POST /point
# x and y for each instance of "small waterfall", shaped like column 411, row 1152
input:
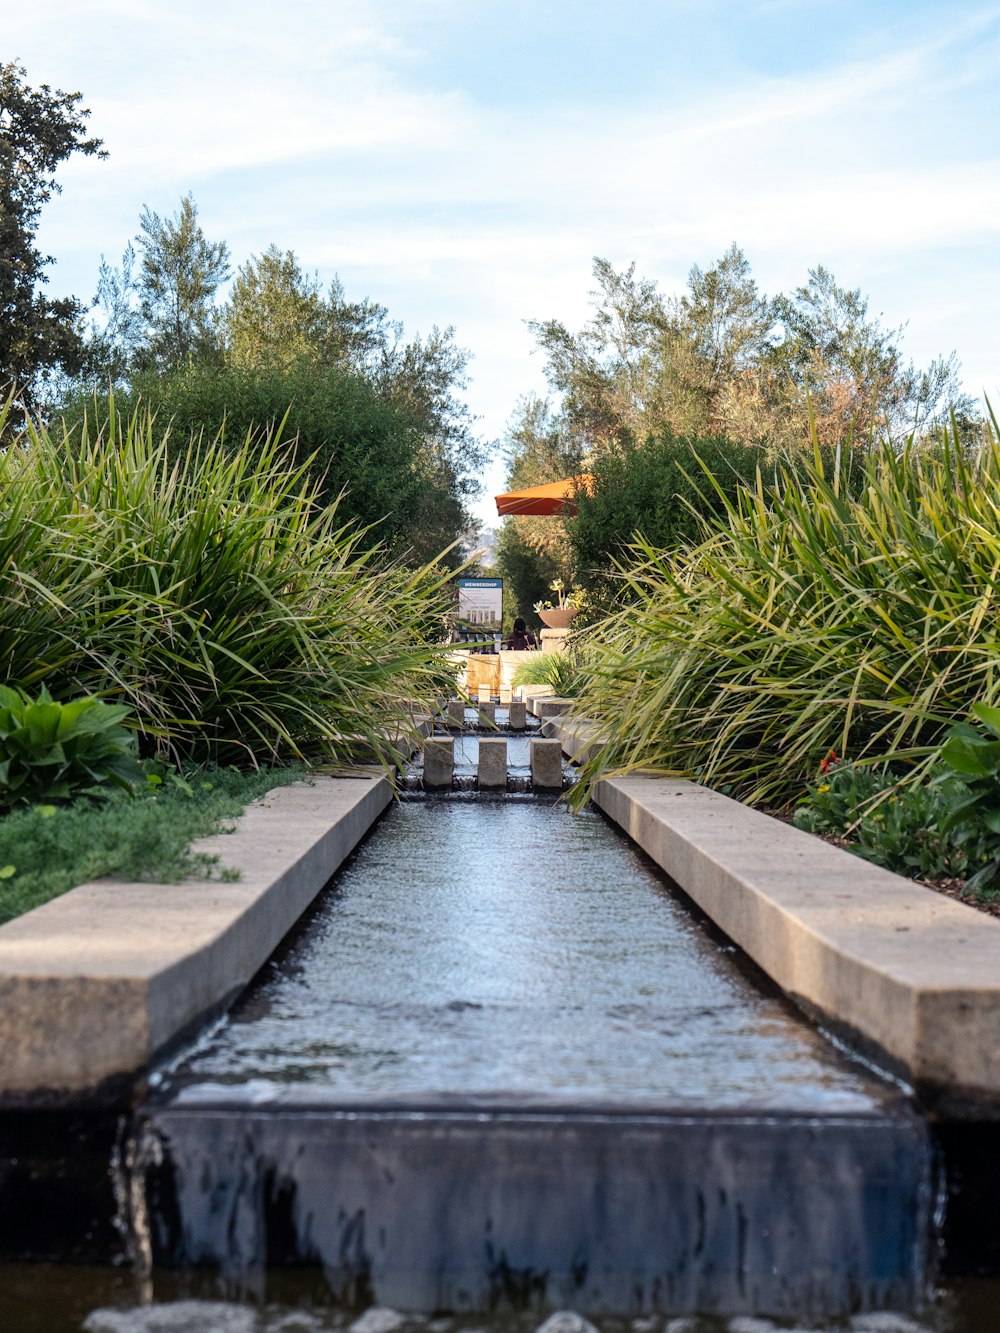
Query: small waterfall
column 464, row 745
column 136, row 1153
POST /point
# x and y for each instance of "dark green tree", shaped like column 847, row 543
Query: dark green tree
column 39, row 129
column 382, row 418
column 661, row 490
column 359, row 444
column 179, row 272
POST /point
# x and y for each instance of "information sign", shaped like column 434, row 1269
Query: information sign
column 480, row 603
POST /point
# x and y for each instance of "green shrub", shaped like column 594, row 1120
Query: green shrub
column 563, row 671
column 972, row 797
column 948, row 825
column 895, row 825
column 213, row 593
column 841, row 795
column 331, row 419
column 51, row 751
column 823, row 615
column 656, row 489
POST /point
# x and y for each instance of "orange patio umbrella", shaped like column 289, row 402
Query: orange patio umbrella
column 556, row 497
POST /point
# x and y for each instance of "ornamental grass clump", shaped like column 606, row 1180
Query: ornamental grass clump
column 565, row 671
column 861, row 618
column 212, row 592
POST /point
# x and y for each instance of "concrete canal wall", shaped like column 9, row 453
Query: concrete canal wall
column 96, row 983
column 907, row 973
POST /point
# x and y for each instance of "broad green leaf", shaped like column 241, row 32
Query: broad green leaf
column 975, row 758
column 990, row 717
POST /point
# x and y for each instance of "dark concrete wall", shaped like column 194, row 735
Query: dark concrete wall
column 600, row 1213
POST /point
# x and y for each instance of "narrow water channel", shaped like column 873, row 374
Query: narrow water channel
column 506, row 949
column 503, row 1065
column 488, row 960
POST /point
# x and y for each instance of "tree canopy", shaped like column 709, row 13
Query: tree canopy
column 380, row 415
column 179, row 273
column 39, row 129
column 722, row 358
column 720, row 370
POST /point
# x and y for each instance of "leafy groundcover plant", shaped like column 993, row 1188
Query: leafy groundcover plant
column 884, row 820
column 860, row 617
column 944, row 827
column 212, row 591
column 46, row 849
column 51, row 751
column 972, row 821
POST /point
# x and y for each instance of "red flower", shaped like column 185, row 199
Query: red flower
column 831, row 759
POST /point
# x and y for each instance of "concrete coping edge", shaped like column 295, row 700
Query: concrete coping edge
column 95, row 983
column 908, row 975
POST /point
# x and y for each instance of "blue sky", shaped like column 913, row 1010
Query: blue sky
column 463, row 161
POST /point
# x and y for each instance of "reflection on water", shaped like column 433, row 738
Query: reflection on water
column 518, row 753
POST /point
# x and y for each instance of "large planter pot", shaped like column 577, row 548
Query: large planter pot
column 557, row 617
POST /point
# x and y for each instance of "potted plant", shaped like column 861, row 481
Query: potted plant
column 559, row 614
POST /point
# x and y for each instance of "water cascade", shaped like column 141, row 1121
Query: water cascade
column 502, row 1078
column 502, row 1066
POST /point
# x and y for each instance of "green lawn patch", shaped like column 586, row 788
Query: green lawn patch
column 46, row 849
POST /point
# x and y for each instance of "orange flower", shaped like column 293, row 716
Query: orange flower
column 831, row 759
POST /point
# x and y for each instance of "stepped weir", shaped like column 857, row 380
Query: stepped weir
column 503, row 1066
column 503, row 1077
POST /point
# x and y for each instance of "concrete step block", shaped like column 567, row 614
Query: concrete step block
column 439, row 762
column 518, row 718
column 546, row 765
column 493, row 762
column 456, row 712
column 535, row 691
column 487, row 714
column 546, row 708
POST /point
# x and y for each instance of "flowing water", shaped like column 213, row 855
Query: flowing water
column 480, row 952
column 505, row 948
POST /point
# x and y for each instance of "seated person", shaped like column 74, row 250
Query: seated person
column 520, row 638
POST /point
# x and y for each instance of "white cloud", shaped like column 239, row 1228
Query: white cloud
column 319, row 126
